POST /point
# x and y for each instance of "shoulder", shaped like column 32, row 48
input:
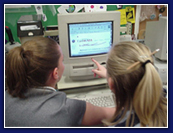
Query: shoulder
column 53, row 106
column 55, row 97
column 45, row 98
column 122, row 123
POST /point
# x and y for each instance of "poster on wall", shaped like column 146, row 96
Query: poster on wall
column 130, row 14
column 123, row 16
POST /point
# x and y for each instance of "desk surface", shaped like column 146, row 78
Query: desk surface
column 67, row 83
column 87, row 91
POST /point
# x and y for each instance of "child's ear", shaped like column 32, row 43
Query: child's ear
column 111, row 84
column 55, row 73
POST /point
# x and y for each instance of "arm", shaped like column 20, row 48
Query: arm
column 94, row 114
column 100, row 71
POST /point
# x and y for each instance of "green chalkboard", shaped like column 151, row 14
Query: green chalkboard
column 12, row 15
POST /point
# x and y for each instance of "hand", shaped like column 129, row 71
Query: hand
column 100, row 71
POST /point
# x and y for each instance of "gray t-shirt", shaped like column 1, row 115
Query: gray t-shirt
column 43, row 107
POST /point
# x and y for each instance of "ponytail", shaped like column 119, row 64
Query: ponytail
column 29, row 65
column 16, row 72
column 138, row 88
column 147, row 99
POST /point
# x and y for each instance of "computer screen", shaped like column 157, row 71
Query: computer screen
column 86, row 39
column 83, row 36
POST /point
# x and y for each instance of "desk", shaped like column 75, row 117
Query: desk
column 83, row 88
column 82, row 92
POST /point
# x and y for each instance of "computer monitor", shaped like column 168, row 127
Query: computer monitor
column 83, row 36
column 156, row 37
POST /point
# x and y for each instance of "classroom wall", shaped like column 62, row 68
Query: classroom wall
column 12, row 15
column 148, row 12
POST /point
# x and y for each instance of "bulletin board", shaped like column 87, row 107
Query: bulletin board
column 150, row 13
column 12, row 16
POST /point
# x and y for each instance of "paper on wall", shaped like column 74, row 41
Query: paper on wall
column 39, row 10
column 95, row 8
column 130, row 14
column 69, row 8
column 123, row 16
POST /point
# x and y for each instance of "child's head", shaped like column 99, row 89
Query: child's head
column 30, row 64
column 138, row 88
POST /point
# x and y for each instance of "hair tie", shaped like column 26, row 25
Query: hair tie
column 138, row 62
column 148, row 61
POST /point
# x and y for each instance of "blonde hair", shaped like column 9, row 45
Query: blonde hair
column 138, row 89
column 29, row 65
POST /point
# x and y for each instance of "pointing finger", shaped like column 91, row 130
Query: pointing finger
column 95, row 62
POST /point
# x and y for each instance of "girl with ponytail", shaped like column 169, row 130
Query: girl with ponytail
column 26, row 66
column 137, row 86
column 32, row 98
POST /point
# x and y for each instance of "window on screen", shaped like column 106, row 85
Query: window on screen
column 87, row 39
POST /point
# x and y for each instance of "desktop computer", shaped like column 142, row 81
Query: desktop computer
column 83, row 36
column 156, row 38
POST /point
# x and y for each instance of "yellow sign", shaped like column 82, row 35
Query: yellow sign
column 123, row 17
column 130, row 14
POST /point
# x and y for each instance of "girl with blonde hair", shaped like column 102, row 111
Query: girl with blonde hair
column 136, row 84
